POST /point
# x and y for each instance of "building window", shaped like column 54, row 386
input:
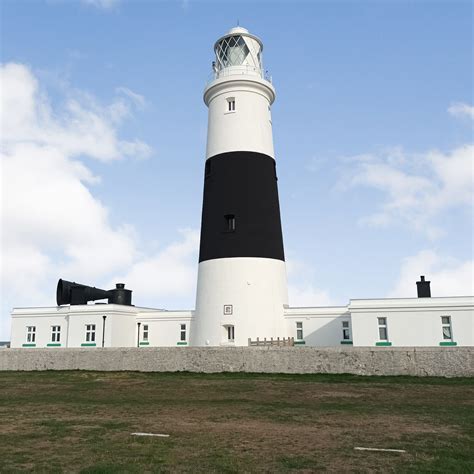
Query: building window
column 55, row 333
column 31, row 334
column 446, row 326
column 182, row 332
column 231, row 104
column 346, row 332
column 228, row 309
column 230, row 222
column 383, row 334
column 207, row 168
column 299, row 331
column 230, row 333
column 145, row 333
column 90, row 332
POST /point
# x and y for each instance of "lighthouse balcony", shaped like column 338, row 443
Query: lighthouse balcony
column 241, row 70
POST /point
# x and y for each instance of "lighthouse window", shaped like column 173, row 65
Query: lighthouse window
column 230, row 222
column 231, row 104
column 145, row 333
column 182, row 336
column 232, row 51
column 208, row 168
column 230, row 333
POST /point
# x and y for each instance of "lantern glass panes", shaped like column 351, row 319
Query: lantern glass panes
column 231, row 51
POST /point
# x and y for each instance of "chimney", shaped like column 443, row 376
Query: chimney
column 423, row 288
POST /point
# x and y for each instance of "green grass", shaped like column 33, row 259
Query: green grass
column 76, row 421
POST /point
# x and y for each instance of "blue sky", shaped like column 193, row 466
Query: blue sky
column 373, row 131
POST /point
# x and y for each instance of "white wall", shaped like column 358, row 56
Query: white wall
column 164, row 328
column 413, row 321
column 120, row 325
column 256, row 289
column 322, row 327
column 249, row 127
column 42, row 320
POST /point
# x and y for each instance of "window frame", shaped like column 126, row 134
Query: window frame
column 182, row 332
column 230, row 329
column 55, row 333
column 31, row 334
column 382, row 326
column 145, row 332
column 230, row 223
column 299, row 331
column 90, row 333
column 230, row 105
column 447, row 325
column 346, row 330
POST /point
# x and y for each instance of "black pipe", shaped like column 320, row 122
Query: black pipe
column 103, row 329
column 138, row 338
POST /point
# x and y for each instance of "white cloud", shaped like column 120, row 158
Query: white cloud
column 417, row 188
column 102, row 4
column 52, row 224
column 138, row 99
column 461, row 110
column 302, row 290
column 448, row 276
column 168, row 274
column 81, row 127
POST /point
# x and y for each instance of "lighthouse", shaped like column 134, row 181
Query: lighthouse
column 242, row 288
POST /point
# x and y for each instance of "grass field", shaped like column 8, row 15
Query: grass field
column 82, row 422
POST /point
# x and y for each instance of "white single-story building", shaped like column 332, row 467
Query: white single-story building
column 445, row 321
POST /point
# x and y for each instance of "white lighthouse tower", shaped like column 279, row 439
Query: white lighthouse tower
column 242, row 287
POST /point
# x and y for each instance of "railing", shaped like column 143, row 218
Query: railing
column 237, row 71
column 288, row 341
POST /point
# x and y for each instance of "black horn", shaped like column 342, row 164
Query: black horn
column 70, row 292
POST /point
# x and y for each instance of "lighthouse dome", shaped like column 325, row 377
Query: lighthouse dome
column 238, row 52
column 236, row 30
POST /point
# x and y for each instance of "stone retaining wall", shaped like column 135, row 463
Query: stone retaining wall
column 422, row 361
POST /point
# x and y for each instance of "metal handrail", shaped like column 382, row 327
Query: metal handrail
column 237, row 71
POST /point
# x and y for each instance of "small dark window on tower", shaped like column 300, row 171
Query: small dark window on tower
column 230, row 222
column 208, row 169
column 275, row 170
column 231, row 104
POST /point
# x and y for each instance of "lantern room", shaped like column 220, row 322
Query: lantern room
column 238, row 52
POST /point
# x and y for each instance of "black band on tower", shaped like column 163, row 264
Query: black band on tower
column 241, row 212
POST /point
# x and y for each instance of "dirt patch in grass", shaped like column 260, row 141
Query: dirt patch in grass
column 82, row 422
